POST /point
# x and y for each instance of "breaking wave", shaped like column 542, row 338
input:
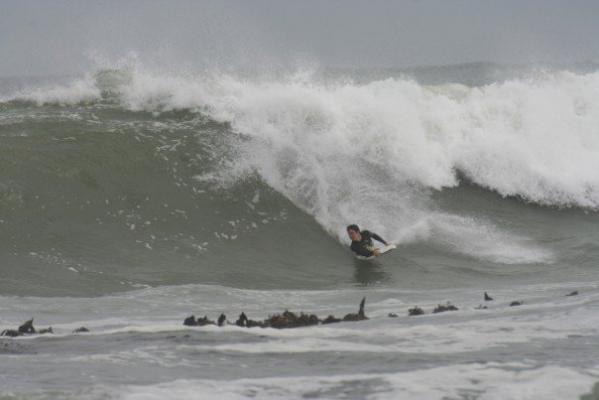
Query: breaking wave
column 374, row 153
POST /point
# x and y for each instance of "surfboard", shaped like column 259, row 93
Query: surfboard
column 382, row 250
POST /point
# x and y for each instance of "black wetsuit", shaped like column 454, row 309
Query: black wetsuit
column 364, row 246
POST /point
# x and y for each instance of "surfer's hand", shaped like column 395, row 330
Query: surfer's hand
column 376, row 252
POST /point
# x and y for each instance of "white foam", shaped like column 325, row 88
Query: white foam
column 491, row 381
column 81, row 90
column 544, row 316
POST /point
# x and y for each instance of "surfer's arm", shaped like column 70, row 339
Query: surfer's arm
column 380, row 239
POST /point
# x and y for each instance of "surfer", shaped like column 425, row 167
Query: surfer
column 361, row 241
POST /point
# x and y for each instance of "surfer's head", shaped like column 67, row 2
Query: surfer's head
column 353, row 231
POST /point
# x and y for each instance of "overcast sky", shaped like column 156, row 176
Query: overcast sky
column 63, row 37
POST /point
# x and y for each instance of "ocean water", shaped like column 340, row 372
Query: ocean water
column 131, row 199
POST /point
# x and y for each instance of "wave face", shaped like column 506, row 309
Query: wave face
column 125, row 177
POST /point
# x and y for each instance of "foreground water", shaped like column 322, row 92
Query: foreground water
column 130, row 200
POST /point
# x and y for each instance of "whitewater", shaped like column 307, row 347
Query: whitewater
column 131, row 199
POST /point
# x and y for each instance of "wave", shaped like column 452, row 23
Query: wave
column 533, row 138
column 373, row 153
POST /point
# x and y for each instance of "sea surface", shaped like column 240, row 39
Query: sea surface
column 131, row 199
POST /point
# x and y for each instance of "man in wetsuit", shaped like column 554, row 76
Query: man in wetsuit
column 361, row 241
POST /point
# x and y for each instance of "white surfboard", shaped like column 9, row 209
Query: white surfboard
column 382, row 250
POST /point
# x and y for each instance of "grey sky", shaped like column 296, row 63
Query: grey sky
column 63, row 37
